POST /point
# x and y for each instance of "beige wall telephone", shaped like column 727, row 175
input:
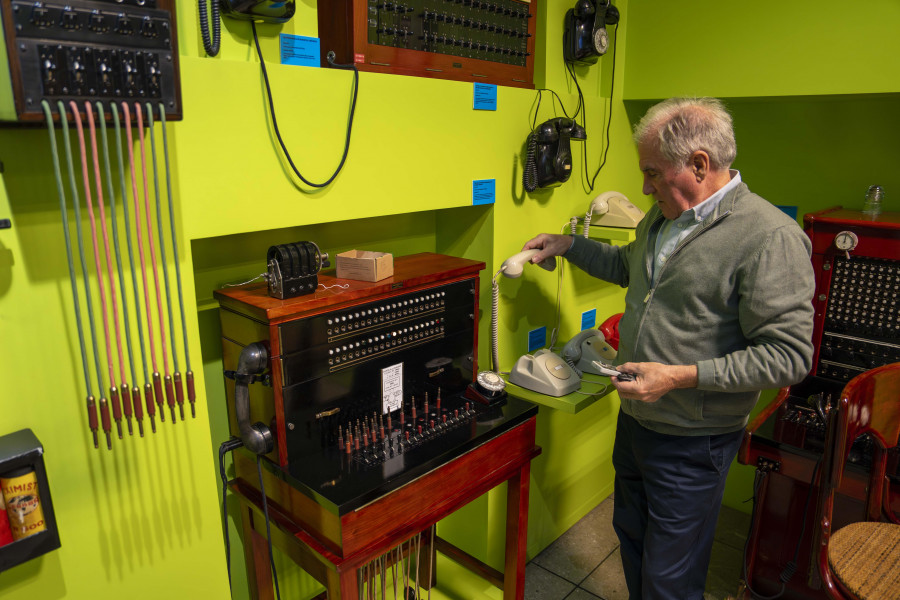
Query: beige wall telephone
column 612, row 209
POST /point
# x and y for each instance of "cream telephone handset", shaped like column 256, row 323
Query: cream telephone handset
column 586, row 347
column 543, row 372
column 512, row 266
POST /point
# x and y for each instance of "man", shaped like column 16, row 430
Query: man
column 718, row 308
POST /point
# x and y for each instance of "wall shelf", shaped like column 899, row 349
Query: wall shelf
column 612, row 234
column 590, row 392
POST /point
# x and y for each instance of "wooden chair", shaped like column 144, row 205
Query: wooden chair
column 861, row 561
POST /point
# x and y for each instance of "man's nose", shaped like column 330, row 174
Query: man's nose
column 648, row 187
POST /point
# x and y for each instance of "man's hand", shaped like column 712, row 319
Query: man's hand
column 654, row 380
column 549, row 245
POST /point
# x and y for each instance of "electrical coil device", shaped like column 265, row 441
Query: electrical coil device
column 292, row 269
column 490, row 42
column 107, row 50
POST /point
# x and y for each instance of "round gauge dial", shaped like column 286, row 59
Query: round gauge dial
column 846, row 241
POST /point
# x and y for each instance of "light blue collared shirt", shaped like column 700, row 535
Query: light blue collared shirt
column 672, row 232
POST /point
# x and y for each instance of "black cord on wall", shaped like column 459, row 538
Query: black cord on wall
column 287, row 155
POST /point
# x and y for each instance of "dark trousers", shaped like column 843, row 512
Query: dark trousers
column 668, row 491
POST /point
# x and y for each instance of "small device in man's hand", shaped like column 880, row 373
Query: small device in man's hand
column 609, row 371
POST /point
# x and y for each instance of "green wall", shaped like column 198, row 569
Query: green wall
column 814, row 94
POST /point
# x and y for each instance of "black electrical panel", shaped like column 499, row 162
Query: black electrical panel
column 97, row 50
column 468, row 40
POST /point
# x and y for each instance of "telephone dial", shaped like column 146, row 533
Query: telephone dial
column 549, row 159
column 585, row 39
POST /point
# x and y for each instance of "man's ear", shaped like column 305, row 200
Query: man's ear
column 700, row 165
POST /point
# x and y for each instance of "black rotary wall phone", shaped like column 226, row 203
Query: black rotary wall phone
column 549, row 159
column 585, row 39
column 260, row 11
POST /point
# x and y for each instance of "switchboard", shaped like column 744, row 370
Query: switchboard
column 468, row 40
column 88, row 50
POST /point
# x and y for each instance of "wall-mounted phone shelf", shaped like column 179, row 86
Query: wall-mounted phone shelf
column 570, row 403
column 612, row 234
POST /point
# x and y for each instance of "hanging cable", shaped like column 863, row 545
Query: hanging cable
column 57, row 172
column 582, row 108
column 111, row 194
column 176, row 375
column 262, row 489
column 148, row 387
column 287, row 155
column 113, row 391
column 157, row 382
column 76, row 202
column 188, row 374
column 167, row 378
column 209, row 9
column 123, row 386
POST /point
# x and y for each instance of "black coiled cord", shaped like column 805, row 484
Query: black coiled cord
column 529, row 173
column 210, row 45
column 330, row 59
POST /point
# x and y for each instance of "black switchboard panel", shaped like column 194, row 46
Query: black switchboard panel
column 495, row 31
column 862, row 321
column 97, row 50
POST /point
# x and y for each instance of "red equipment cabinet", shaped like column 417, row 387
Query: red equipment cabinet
column 856, row 259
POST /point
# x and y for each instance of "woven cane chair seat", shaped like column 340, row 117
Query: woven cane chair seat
column 865, row 557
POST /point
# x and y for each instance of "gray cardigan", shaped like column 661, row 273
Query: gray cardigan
column 734, row 298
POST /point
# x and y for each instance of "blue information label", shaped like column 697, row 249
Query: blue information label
column 790, row 211
column 300, row 50
column 483, row 191
column 485, row 96
column 537, row 338
column 588, row 319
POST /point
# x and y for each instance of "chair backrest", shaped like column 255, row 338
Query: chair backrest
column 869, row 403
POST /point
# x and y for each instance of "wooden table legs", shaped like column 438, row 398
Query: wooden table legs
column 341, row 579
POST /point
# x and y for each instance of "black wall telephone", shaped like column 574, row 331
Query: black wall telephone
column 549, row 159
column 261, row 11
column 585, row 39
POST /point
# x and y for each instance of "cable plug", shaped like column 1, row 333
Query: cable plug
column 233, row 443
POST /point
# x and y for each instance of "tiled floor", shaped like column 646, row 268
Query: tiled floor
column 584, row 563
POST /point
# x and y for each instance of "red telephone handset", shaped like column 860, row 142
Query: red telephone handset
column 610, row 330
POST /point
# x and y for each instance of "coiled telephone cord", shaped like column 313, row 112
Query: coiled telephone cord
column 206, row 12
column 529, row 173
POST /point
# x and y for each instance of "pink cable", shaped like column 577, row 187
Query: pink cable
column 137, row 225
column 109, row 268
column 90, row 207
column 162, row 328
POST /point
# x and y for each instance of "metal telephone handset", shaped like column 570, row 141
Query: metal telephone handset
column 584, row 349
column 257, row 437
